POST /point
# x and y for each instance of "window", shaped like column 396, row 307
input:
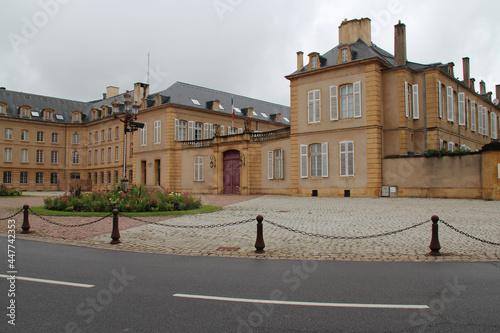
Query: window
column 7, row 156
column 8, row 134
column 54, row 156
column 109, row 155
column 39, row 136
column 117, row 132
column 23, row 177
column 157, row 132
column 25, row 134
column 110, row 135
column 450, row 104
column 195, row 102
column 194, row 130
column 53, row 177
column 2, row 109
column 7, row 177
column 222, row 130
column 25, row 112
column 89, row 157
column 346, row 159
column 480, row 119
column 102, row 155
column 451, row 146
column 116, row 176
column 76, row 117
column 180, row 130
column 461, row 109
column 441, row 100
column 76, row 157
column 55, row 137
column 494, row 123
column 485, row 123
column 47, row 115
column 472, row 116
column 102, row 135
column 350, row 101
column 39, row 156
column 117, row 157
column 96, row 136
column 76, row 138
column 275, row 164
column 95, row 177
column 102, row 177
column 198, row 168
column 313, row 106
column 59, row 117
column 24, row 155
column 317, row 156
column 345, row 55
column 144, row 134
column 416, row 111
column 90, row 137
column 75, row 175
column 314, row 62
column 208, row 131
column 39, row 178
column 96, row 157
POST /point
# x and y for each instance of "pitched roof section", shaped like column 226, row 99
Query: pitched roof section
column 360, row 51
column 37, row 103
column 197, row 97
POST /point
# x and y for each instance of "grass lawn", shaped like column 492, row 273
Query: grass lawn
column 204, row 209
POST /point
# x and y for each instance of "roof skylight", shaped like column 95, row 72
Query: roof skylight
column 237, row 109
column 35, row 114
column 255, row 114
column 286, row 119
column 264, row 115
column 59, row 117
column 195, row 101
column 221, row 107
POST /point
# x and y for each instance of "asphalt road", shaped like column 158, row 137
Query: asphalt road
column 134, row 292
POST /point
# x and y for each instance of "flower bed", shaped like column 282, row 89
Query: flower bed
column 8, row 192
column 137, row 199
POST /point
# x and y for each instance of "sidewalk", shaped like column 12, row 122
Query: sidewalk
column 317, row 215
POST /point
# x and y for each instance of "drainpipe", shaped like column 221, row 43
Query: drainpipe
column 425, row 114
column 458, row 117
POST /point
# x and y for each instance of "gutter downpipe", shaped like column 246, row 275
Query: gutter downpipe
column 425, row 114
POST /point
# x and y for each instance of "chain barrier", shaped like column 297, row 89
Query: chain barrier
column 345, row 237
column 190, row 226
column 69, row 225
column 8, row 218
column 468, row 235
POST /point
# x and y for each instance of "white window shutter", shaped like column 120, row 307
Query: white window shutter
column 449, row 103
column 492, row 124
column 205, row 131
column 416, row 112
column 407, row 102
column 324, row 159
column 472, row 116
column 357, row 99
column 270, row 164
column 343, row 159
column 176, row 135
column 200, row 172
column 350, row 158
column 191, row 130
column 480, row 119
column 317, row 106
column 310, row 106
column 222, row 130
column 441, row 100
column 441, row 144
column 334, row 103
column 461, row 109
column 303, row 161
column 196, row 168
column 211, row 131
column 282, row 175
column 485, row 124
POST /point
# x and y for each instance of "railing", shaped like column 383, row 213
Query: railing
column 198, row 143
column 271, row 135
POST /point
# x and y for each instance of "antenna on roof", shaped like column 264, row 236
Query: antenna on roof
column 148, row 70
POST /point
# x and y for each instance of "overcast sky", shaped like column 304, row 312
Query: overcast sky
column 76, row 48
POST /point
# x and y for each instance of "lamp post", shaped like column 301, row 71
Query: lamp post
column 126, row 118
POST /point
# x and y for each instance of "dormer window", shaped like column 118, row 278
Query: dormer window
column 158, row 100
column 76, row 117
column 344, row 54
column 144, row 104
column 25, row 111
column 47, row 115
column 104, row 111
column 314, row 60
column 2, row 109
column 216, row 105
column 278, row 118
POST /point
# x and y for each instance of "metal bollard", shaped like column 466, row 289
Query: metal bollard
column 26, row 220
column 115, row 234
column 259, row 242
column 435, row 246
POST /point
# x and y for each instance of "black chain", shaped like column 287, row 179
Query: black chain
column 69, row 225
column 468, row 235
column 8, row 218
column 344, row 237
column 190, row 226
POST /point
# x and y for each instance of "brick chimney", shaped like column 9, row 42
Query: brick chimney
column 351, row 31
column 112, row 91
column 497, row 91
column 466, row 67
column 472, row 84
column 482, row 87
column 300, row 60
column 400, row 44
column 141, row 90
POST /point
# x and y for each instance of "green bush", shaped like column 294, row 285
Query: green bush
column 446, row 152
column 137, row 199
column 8, row 192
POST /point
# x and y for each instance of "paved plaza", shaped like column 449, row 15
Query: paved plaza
column 319, row 215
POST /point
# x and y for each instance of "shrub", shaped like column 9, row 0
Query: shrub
column 137, row 199
column 5, row 191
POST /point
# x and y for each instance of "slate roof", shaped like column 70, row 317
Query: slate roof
column 179, row 93
column 359, row 51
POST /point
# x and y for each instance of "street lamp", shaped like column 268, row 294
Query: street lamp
column 127, row 119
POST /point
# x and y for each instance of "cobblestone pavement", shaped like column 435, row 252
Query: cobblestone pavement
column 318, row 215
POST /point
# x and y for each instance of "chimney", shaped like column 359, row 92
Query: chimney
column 400, row 44
column 351, row 31
column 473, row 84
column 112, row 91
column 450, row 69
column 141, row 91
column 300, row 60
column 497, row 87
column 482, row 87
column 466, row 66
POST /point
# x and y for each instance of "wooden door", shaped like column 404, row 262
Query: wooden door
column 231, row 172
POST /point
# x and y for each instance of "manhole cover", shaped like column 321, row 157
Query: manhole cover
column 228, row 248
